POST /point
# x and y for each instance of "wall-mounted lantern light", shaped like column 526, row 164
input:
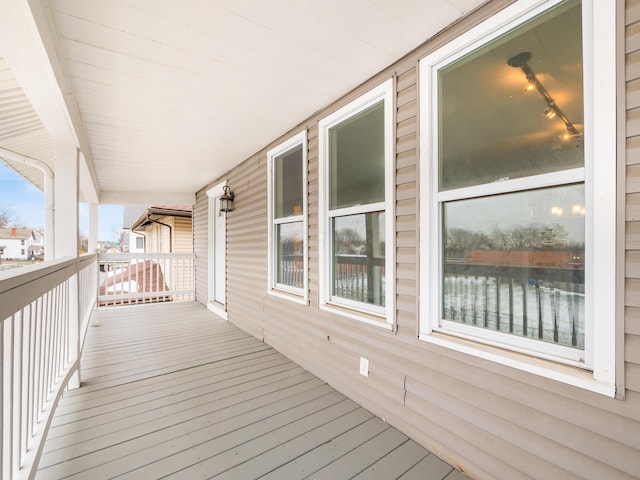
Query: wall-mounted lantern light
column 226, row 200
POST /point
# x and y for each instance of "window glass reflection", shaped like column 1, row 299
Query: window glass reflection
column 290, row 262
column 515, row 263
column 288, row 183
column 356, row 159
column 358, row 258
column 496, row 122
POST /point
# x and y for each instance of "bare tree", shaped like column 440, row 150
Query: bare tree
column 535, row 236
column 6, row 218
column 523, row 237
column 459, row 239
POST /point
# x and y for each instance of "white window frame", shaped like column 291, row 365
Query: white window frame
column 597, row 372
column 299, row 295
column 371, row 314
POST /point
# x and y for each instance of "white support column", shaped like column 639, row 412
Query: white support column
column 93, row 227
column 49, row 230
column 66, row 201
column 66, row 235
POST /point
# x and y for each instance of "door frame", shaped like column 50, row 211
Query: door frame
column 213, row 194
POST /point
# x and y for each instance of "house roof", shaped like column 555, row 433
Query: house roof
column 131, row 213
column 157, row 211
column 162, row 99
column 20, row 233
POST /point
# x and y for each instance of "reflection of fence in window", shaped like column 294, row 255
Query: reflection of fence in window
column 359, row 278
column 291, row 271
column 539, row 303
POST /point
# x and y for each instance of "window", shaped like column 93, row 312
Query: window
column 287, row 167
column 139, row 243
column 508, row 150
column 22, row 242
column 356, row 208
column 22, row 252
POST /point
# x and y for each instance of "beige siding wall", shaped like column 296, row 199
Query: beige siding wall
column 632, row 216
column 182, row 235
column 489, row 420
column 160, row 239
column 201, row 246
column 152, row 238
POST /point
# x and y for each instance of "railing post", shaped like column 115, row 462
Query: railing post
column 74, row 327
column 66, row 234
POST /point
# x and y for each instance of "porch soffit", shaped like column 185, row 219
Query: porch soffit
column 170, row 96
column 21, row 130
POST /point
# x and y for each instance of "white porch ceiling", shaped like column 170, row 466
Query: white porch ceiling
column 171, row 95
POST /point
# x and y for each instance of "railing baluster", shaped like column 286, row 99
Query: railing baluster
column 572, row 315
column 3, row 361
column 486, row 301
column 525, row 326
column 24, row 379
column 554, row 313
column 498, row 281
column 510, row 304
column 16, row 389
column 540, row 316
column 32, row 361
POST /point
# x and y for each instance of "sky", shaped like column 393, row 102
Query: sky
column 25, row 205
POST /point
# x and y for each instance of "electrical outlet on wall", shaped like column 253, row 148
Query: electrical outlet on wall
column 364, row 366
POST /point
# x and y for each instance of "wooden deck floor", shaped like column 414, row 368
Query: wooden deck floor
column 172, row 391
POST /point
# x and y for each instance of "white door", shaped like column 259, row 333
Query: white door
column 219, row 244
column 217, row 252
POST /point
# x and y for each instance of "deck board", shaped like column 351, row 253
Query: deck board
column 172, row 391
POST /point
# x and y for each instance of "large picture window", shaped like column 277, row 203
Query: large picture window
column 288, row 219
column 356, row 176
column 509, row 156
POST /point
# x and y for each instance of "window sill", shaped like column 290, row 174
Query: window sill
column 569, row 375
column 369, row 319
column 292, row 297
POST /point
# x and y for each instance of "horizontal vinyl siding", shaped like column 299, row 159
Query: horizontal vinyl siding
column 247, row 245
column 489, row 420
column 632, row 185
column 200, row 246
column 182, row 235
column 151, row 238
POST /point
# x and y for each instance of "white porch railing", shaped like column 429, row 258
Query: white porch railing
column 45, row 310
column 134, row 278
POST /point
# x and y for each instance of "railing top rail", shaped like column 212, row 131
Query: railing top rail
column 16, row 277
column 142, row 256
column 19, row 287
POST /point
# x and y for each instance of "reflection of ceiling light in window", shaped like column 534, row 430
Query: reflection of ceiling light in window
column 556, row 211
column 578, row 210
column 521, row 61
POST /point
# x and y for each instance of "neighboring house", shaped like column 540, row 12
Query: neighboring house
column 19, row 244
column 370, row 244
column 132, row 242
column 166, row 229
column 37, row 247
